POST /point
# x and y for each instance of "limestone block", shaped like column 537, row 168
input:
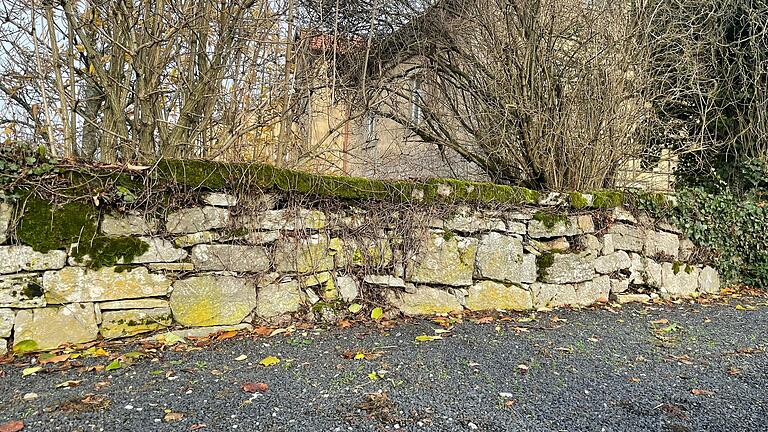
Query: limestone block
column 637, row 270
column 278, row 299
column 384, row 280
column 627, row 237
column 516, row 227
column 591, row 242
column 285, row 219
column 423, row 301
column 202, row 237
column 661, row 243
column 218, row 199
column 52, row 326
column 14, row 259
column 633, row 298
column 212, row 300
column 558, row 244
column 620, row 214
column 709, row 281
column 122, row 323
column 583, row 294
column 147, row 303
column 6, row 213
column 6, row 322
column 653, row 273
column 171, row 267
column 79, row 285
column 686, row 250
column 236, row 258
column 608, row 246
column 612, row 263
column 570, row 268
column 160, row 250
column 3, row 347
column 260, row 237
column 196, row 219
column 127, row 225
column 619, row 286
column 443, row 259
column 528, row 271
column 490, row 295
column 374, row 251
column 23, row 290
column 499, row 257
column 303, row 256
column 573, row 225
column 678, row 280
column 348, row 288
column 467, row 222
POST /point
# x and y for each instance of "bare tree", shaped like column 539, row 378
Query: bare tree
column 709, row 71
column 538, row 92
column 135, row 80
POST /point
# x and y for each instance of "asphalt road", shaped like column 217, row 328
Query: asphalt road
column 676, row 368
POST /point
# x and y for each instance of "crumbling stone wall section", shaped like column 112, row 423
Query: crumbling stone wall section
column 215, row 264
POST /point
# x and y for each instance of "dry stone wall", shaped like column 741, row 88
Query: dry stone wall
column 217, row 265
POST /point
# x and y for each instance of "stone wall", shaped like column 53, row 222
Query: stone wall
column 218, row 263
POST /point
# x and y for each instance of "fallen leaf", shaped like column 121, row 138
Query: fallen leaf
column 198, row 426
column 484, row 320
column 660, row 321
column 377, row 313
column 54, row 359
column 24, row 346
column 241, row 357
column 510, row 403
column 173, row 417
column 427, row 338
column 633, row 379
column 745, row 307
column 355, row 308
column 359, row 356
column 251, row 387
column 441, row 331
column 171, row 338
column 113, row 366
column 269, row 361
column 67, row 384
column 522, row 368
column 31, row 371
column 263, row 331
column 684, row 359
column 701, row 392
column 227, row 335
column 344, row 324
column 12, row 426
column 373, row 376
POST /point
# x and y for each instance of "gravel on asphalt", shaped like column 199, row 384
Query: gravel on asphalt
column 677, row 368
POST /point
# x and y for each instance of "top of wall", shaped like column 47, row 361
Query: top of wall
column 220, row 176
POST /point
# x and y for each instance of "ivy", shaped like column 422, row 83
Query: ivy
column 733, row 227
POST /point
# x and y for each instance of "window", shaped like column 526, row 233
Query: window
column 371, row 137
column 417, row 99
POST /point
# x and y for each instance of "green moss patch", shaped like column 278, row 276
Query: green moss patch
column 549, row 220
column 544, row 262
column 577, row 200
column 45, row 227
column 207, row 175
column 607, row 199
